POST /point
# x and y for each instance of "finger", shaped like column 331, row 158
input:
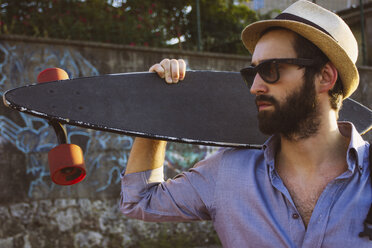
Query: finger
column 165, row 63
column 158, row 69
column 182, row 68
column 175, row 71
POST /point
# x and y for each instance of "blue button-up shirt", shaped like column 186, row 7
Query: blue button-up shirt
column 241, row 192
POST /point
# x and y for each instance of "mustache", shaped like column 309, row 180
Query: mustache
column 266, row 98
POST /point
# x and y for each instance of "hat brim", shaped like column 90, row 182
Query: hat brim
column 329, row 46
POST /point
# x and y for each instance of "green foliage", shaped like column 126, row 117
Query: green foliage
column 92, row 20
column 222, row 23
column 131, row 22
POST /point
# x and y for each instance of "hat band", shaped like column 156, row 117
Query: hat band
column 291, row 17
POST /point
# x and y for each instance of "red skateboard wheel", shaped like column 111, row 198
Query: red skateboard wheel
column 66, row 164
column 52, row 74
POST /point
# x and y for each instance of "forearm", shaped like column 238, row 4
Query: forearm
column 146, row 154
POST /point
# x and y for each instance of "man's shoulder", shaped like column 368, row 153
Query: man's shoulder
column 242, row 151
column 231, row 155
column 239, row 156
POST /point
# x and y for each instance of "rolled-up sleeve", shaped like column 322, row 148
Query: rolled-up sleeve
column 189, row 196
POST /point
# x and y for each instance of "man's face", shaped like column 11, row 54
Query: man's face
column 289, row 106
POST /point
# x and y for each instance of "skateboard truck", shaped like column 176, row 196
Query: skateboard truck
column 66, row 161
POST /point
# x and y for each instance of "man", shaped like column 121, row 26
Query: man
column 309, row 186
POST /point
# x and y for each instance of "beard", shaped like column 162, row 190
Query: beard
column 296, row 118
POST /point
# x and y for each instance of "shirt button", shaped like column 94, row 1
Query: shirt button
column 295, row 216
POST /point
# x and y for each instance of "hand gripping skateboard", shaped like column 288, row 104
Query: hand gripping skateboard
column 208, row 108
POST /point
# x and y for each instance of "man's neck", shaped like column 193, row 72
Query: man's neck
column 324, row 153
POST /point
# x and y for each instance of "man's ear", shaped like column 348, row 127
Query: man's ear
column 328, row 77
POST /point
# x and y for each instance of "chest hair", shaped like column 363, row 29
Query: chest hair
column 304, row 197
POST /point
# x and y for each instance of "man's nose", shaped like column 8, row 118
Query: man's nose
column 259, row 86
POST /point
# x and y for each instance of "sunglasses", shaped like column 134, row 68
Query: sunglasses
column 269, row 69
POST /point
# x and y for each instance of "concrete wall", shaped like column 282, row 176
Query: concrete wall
column 34, row 212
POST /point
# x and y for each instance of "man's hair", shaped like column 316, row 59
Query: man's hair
column 306, row 49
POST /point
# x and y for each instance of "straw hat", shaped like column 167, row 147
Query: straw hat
column 323, row 28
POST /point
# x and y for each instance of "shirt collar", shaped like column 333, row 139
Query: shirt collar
column 355, row 153
column 270, row 147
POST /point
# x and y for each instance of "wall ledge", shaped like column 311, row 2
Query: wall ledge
column 79, row 43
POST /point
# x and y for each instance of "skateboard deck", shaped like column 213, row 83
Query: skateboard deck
column 208, row 107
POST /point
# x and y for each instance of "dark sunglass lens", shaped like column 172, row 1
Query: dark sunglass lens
column 248, row 76
column 269, row 71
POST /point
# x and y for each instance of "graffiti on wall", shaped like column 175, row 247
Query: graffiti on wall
column 20, row 65
column 105, row 153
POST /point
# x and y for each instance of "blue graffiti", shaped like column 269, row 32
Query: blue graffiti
column 105, row 154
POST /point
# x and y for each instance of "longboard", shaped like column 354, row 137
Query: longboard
column 208, row 108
